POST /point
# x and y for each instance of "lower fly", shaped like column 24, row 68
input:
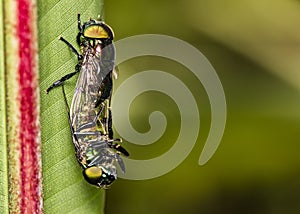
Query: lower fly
column 90, row 116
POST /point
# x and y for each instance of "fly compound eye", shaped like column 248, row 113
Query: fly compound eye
column 98, row 31
column 92, row 175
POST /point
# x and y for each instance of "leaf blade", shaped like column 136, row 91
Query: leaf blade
column 65, row 191
column 3, row 140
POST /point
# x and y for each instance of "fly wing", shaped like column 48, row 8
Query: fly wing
column 83, row 114
column 121, row 163
column 74, row 138
column 105, row 76
column 107, row 59
column 90, row 110
column 93, row 86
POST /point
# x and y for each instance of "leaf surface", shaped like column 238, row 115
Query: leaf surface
column 65, row 190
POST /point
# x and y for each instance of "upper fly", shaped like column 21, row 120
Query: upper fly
column 90, row 116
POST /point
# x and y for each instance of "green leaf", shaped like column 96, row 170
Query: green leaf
column 65, row 190
column 3, row 144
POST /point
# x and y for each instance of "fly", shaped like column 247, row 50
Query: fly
column 90, row 116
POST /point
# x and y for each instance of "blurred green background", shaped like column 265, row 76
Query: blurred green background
column 254, row 46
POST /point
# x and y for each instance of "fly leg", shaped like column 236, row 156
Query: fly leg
column 68, row 76
column 79, row 56
column 112, row 145
column 80, row 30
column 64, row 78
column 109, row 125
column 75, row 140
column 79, row 22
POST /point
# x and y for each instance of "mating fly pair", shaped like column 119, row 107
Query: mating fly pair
column 90, row 116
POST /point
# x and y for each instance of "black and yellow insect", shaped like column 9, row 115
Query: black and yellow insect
column 90, row 115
